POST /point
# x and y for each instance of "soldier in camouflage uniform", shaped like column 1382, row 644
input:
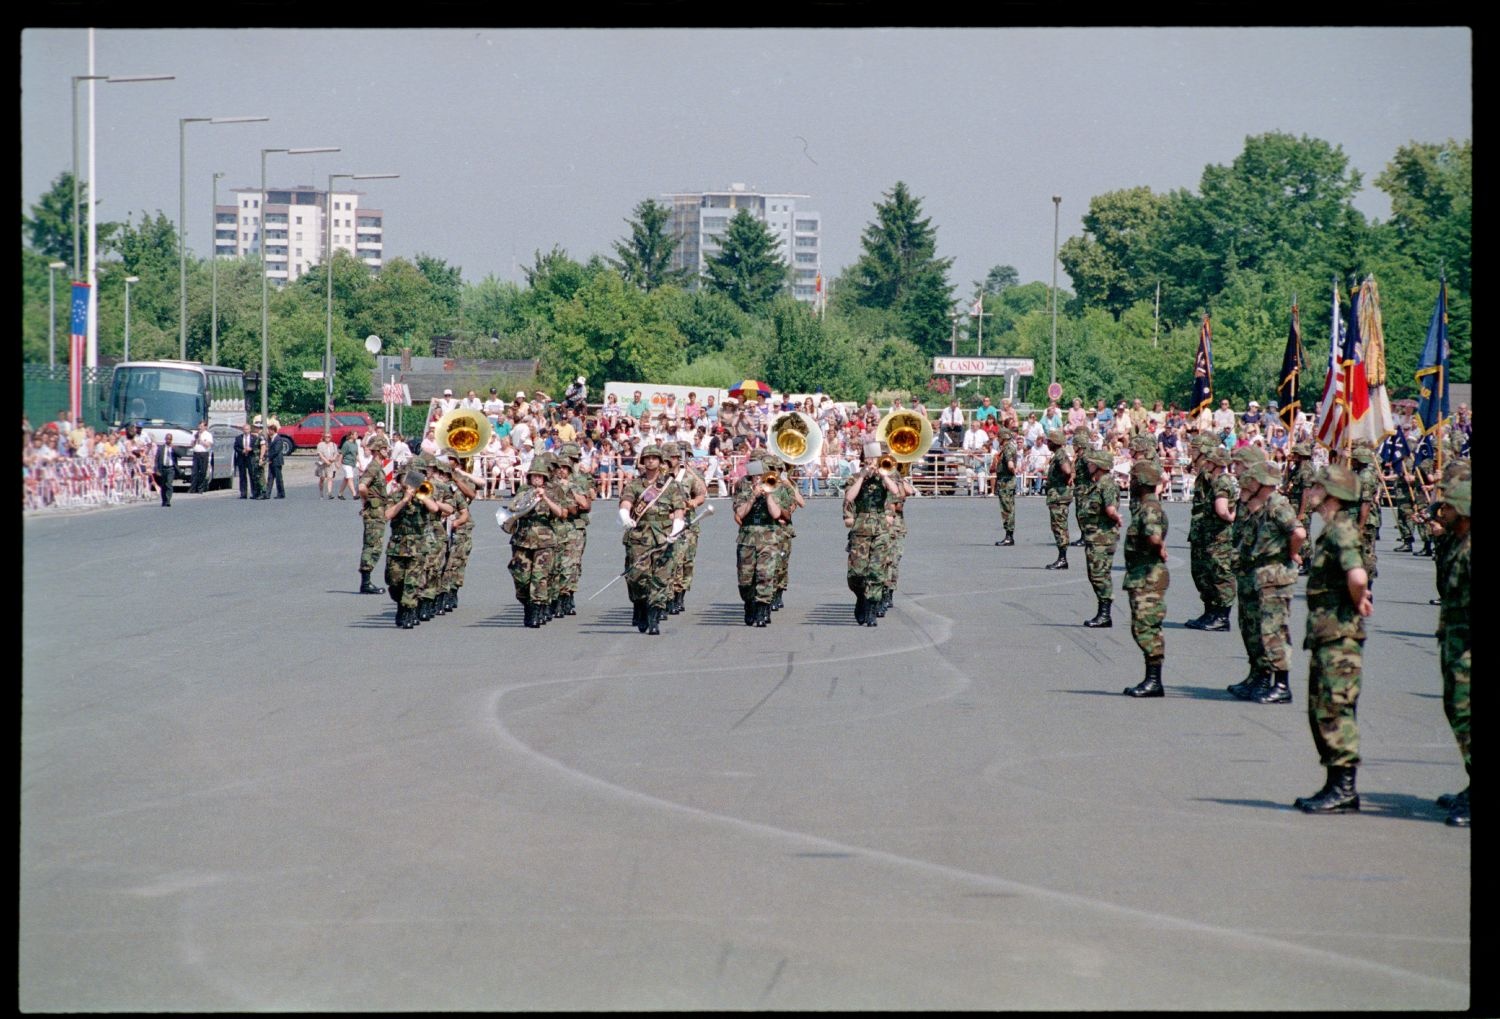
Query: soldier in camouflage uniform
column 683, row 557
column 1082, row 483
column 1338, row 599
column 582, row 492
column 460, row 538
column 533, row 545
column 1395, row 460
column 1146, row 575
column 1299, row 476
column 1059, row 492
column 791, row 500
column 1368, row 513
column 1101, row 520
column 1241, row 543
column 564, row 534
column 404, row 556
column 757, row 511
column 259, row 464
column 1213, row 545
column 374, row 499
column 1271, row 561
column 869, row 518
column 652, row 509
column 1004, row 470
column 435, row 540
column 1455, row 642
column 896, row 547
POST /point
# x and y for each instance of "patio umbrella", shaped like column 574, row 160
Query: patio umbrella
column 748, row 388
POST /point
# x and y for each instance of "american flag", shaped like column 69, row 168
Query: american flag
column 1346, row 394
column 1203, row 371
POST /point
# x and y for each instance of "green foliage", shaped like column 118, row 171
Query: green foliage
column 709, row 371
column 610, row 330
column 49, row 229
column 748, row 268
column 1432, row 200
column 806, row 357
column 646, row 255
column 998, row 279
column 894, row 363
column 707, row 320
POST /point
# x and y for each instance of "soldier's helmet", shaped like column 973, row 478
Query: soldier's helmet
column 1247, row 456
column 1055, row 438
column 1218, row 456
column 571, row 450
column 1100, row 458
column 1339, row 482
column 540, row 464
column 1301, row 449
column 1263, row 473
column 1457, row 470
column 1456, row 494
column 1205, row 442
column 1080, row 439
column 1145, row 474
column 1142, row 444
column 652, row 450
column 376, row 443
column 1362, row 454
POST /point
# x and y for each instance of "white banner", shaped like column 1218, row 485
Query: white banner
column 655, row 395
column 983, row 365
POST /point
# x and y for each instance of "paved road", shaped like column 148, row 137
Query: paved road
column 243, row 788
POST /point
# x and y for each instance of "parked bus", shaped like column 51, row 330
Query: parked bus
column 173, row 396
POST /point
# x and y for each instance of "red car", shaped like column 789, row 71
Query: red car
column 308, row 432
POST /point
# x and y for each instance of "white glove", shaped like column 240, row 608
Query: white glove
column 678, row 526
column 625, row 518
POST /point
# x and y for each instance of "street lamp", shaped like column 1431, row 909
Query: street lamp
column 213, row 311
column 1056, row 208
column 128, row 280
column 182, row 123
column 265, row 321
column 52, row 268
column 328, row 257
column 113, row 79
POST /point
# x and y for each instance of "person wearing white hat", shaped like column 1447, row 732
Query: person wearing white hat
column 575, row 397
column 447, row 403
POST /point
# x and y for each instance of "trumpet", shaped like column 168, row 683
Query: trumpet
column 770, row 479
column 423, row 490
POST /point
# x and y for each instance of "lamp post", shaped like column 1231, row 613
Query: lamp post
column 182, row 123
column 52, row 268
column 213, row 310
column 128, row 280
column 265, row 348
column 328, row 258
column 113, row 79
column 1056, row 208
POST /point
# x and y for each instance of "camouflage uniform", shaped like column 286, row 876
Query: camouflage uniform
column 580, row 484
column 404, row 555
column 1059, row 489
column 869, row 545
column 1100, row 531
column 686, row 553
column 1335, row 636
column 1242, row 535
column 373, row 513
column 1082, row 483
column 648, row 556
column 435, row 542
column 564, row 538
column 1005, row 485
column 757, row 547
column 1455, row 642
column 460, row 545
column 786, row 497
column 1146, row 574
column 1369, row 495
column 1213, row 548
column 1268, row 562
column 533, row 546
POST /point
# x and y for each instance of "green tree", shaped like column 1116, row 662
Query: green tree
column 807, row 357
column 1120, row 234
column 49, row 228
column 447, row 283
column 998, row 279
column 610, row 330
column 646, row 255
column 1432, row 199
column 899, row 271
column 748, row 268
column 707, row 320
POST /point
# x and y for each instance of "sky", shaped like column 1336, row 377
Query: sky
column 511, row 141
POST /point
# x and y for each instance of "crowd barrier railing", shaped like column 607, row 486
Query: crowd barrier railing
column 81, row 482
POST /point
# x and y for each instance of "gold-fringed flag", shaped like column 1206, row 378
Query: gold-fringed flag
column 1203, row 372
column 1377, row 421
column 1292, row 361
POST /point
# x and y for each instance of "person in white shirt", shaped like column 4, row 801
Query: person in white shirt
column 471, row 402
column 976, row 438
column 494, row 407
column 1034, row 431
column 1037, row 459
column 447, row 402
column 203, row 445
column 521, row 431
column 951, row 421
column 1223, row 417
column 429, row 442
column 400, row 451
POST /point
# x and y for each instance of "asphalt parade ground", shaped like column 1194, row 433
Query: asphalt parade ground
column 242, row 788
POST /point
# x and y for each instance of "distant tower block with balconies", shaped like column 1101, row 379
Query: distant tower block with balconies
column 295, row 231
column 701, row 218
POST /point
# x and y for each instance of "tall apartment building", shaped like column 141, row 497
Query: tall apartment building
column 295, row 231
column 701, row 218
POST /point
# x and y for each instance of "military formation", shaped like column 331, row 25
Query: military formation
column 1249, row 538
column 1249, row 543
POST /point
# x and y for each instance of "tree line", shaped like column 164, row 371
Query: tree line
column 1276, row 224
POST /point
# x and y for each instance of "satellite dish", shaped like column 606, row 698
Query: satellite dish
column 372, row 343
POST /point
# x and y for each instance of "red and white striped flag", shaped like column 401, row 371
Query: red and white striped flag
column 1333, row 408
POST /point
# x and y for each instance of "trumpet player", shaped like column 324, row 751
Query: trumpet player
column 581, row 492
column 460, row 537
column 896, row 547
column 869, row 518
column 533, row 542
column 758, row 512
column 405, row 562
column 564, row 530
column 652, row 511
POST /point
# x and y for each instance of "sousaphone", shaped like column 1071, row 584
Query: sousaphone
column 908, row 436
column 796, row 438
column 461, row 433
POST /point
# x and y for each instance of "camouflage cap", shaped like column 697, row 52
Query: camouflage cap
column 571, row 450
column 540, row 464
column 441, row 466
column 652, row 450
column 1301, row 449
column 1457, row 470
column 1056, row 439
column 1218, row 456
column 1263, row 473
column 1145, row 474
column 1100, row 458
column 377, row 442
column 1079, row 438
column 420, row 462
column 1456, row 494
column 1142, row 444
column 1362, row 454
column 1339, row 482
column 1245, row 456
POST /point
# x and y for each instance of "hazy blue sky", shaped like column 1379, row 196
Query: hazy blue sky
column 509, row 141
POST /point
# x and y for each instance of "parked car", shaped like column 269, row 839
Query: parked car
column 307, row 433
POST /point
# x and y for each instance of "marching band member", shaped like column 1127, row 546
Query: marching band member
column 870, row 520
column 652, row 509
column 533, row 543
column 758, row 512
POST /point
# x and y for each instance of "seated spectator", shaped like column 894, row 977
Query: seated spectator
column 986, row 411
column 951, row 425
column 1077, row 416
column 1223, row 418
column 1009, row 418
column 1252, row 414
column 1052, row 417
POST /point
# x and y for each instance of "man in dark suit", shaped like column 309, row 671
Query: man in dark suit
column 245, row 446
column 166, row 468
column 275, row 456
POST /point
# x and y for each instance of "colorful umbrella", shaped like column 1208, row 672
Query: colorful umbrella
column 750, row 388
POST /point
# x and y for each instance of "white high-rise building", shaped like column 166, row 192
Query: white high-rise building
column 295, row 231
column 701, row 218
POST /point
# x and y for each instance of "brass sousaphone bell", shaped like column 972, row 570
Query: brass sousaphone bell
column 908, row 435
column 461, row 433
column 796, row 438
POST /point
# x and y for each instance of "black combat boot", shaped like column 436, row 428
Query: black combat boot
column 1101, row 618
column 1010, row 539
column 1458, row 815
column 776, row 603
column 572, row 609
column 653, row 620
column 1448, row 800
column 1405, row 545
column 411, row 618
column 401, row 625
column 1251, row 682
column 1338, row 796
column 1150, row 686
column 1220, row 621
column 1061, row 562
column 638, row 615
column 871, row 605
column 861, row 606
column 749, row 612
column 1203, row 620
column 424, row 609
column 365, row 587
column 762, row 613
column 453, row 599
column 1076, row 544
column 440, row 603
column 1276, row 691
column 1426, row 548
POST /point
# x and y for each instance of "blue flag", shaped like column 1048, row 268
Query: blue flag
column 1203, row 372
column 1432, row 375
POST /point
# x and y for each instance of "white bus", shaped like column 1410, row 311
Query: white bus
column 173, row 396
